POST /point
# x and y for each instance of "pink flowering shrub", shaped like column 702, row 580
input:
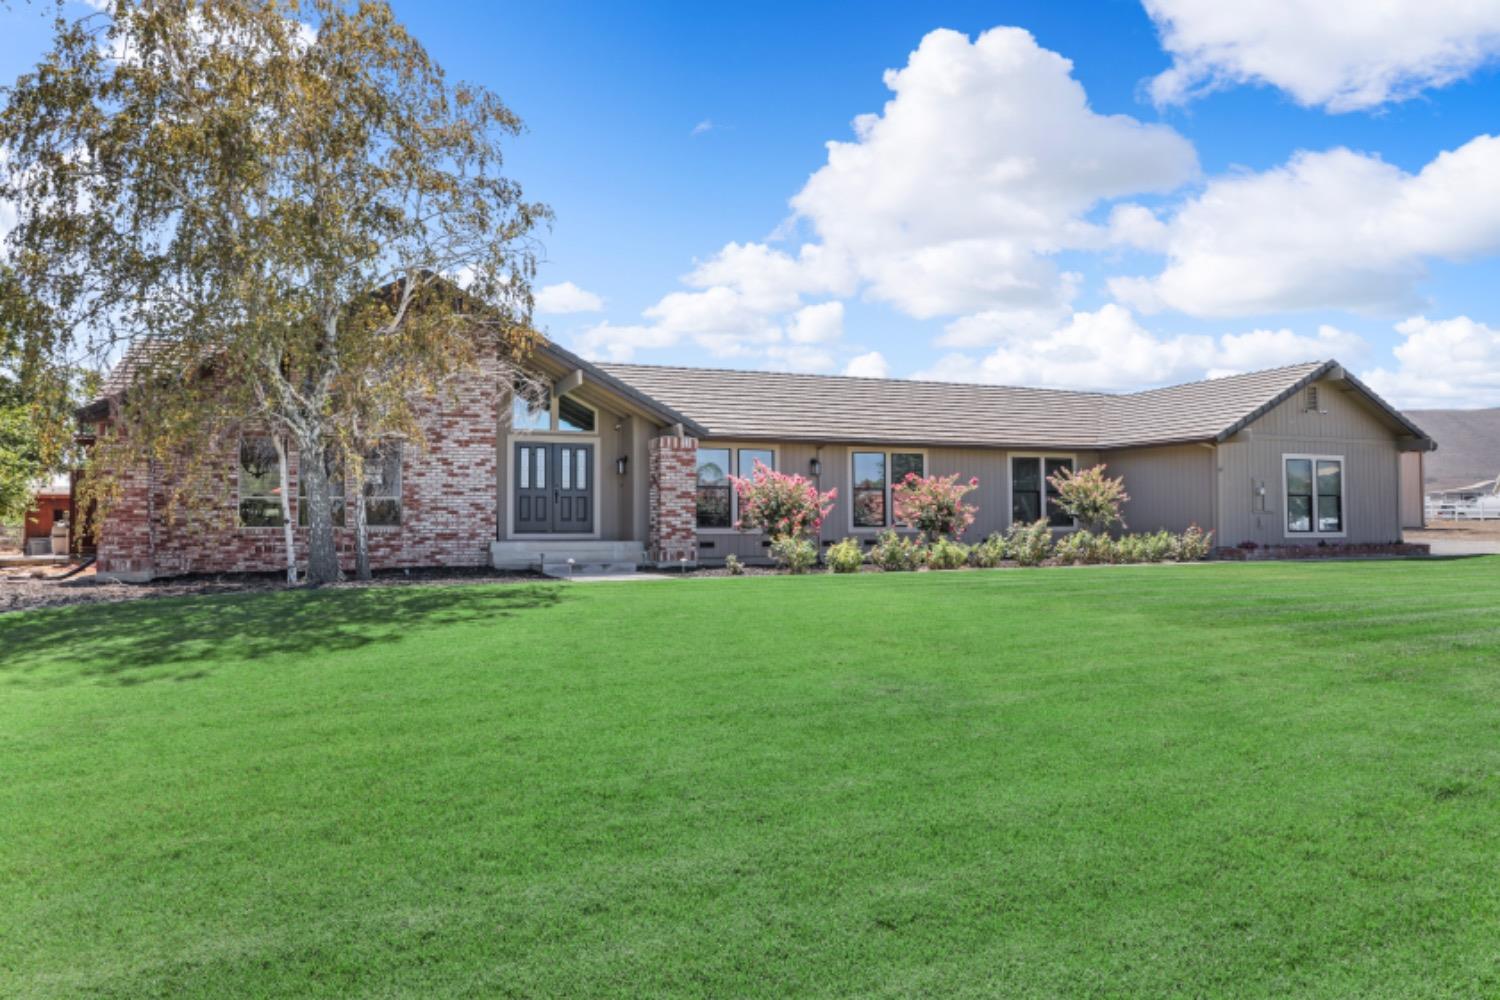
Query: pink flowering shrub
column 1091, row 497
column 781, row 505
column 1194, row 544
column 934, row 505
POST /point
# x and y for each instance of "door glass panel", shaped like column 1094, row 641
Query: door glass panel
column 541, row 468
column 583, row 468
column 525, row 468
column 565, row 468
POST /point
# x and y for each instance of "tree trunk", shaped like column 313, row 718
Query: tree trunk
column 286, row 510
column 312, row 478
column 361, row 536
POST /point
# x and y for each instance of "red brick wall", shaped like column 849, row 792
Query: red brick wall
column 673, row 503
column 447, row 498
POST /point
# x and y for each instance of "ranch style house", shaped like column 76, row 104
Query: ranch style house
column 627, row 466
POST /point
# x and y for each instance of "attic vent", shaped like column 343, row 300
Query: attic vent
column 1312, row 399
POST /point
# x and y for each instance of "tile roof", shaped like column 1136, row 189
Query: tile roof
column 786, row 406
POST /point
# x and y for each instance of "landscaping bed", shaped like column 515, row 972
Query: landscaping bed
column 23, row 590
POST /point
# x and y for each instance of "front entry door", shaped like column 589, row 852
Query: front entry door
column 554, row 488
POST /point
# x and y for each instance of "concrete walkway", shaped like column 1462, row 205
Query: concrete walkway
column 1464, row 547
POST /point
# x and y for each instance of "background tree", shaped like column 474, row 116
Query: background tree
column 234, row 179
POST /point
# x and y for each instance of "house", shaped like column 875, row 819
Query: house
column 630, row 464
column 48, row 525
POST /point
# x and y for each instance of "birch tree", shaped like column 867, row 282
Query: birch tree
column 283, row 191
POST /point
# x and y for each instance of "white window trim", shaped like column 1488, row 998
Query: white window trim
column 1286, row 505
column 549, row 437
column 890, row 513
column 1010, row 482
column 734, row 448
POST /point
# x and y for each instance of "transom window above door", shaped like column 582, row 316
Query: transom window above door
column 874, row 475
column 1031, row 488
column 548, row 413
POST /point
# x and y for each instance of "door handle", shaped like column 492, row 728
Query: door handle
column 556, row 495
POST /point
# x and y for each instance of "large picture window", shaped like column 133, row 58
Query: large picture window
column 714, row 491
column 1314, row 494
column 875, row 474
column 1030, row 489
column 260, row 484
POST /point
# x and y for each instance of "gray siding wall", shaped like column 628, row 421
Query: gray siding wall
column 1170, row 487
column 1344, row 426
column 1413, row 501
column 990, row 465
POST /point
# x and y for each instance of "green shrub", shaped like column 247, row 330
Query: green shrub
column 1158, row 546
column 1130, row 549
column 1083, row 547
column 1029, row 544
column 895, row 553
column 947, row 554
column 733, row 564
column 989, row 553
column 795, row 555
column 1193, row 545
column 845, row 556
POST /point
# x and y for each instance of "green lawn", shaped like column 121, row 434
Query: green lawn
column 1237, row 780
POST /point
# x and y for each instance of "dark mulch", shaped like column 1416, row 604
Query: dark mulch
column 20, row 591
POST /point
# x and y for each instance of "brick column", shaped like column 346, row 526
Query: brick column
column 125, row 550
column 673, row 512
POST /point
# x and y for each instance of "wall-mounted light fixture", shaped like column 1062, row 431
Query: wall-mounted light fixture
column 621, row 463
column 815, row 467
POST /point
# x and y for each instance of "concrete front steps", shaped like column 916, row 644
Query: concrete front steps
column 550, row 556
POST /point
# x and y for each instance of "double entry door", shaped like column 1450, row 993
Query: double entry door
column 554, row 488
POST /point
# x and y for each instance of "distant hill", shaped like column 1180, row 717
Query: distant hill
column 1468, row 446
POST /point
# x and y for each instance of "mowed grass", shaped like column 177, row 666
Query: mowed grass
column 1225, row 780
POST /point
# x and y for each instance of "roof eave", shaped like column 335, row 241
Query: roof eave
column 601, row 377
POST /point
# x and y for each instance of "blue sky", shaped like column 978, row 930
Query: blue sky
column 974, row 239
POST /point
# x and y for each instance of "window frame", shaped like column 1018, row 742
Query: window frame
column 890, row 452
column 734, row 448
column 239, row 488
column 554, row 419
column 1041, row 457
column 398, row 498
column 1286, row 505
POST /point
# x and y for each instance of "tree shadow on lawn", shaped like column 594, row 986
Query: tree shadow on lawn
column 138, row 641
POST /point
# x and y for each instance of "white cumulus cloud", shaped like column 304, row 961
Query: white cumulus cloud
column 1440, row 363
column 952, row 200
column 871, row 365
column 1342, row 55
column 566, row 297
column 1108, row 349
column 1328, row 230
column 981, row 165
